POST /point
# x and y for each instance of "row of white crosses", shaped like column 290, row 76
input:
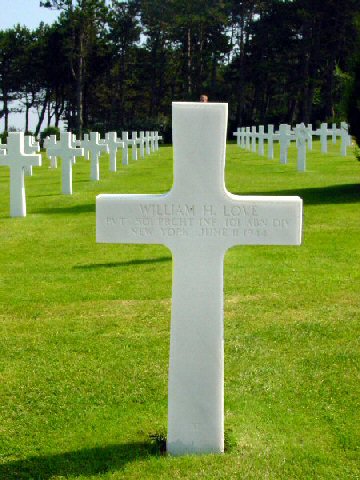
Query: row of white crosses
column 20, row 155
column 247, row 138
column 91, row 148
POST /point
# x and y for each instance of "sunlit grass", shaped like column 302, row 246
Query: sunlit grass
column 85, row 332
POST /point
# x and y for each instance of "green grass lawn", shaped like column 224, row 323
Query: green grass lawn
column 85, row 332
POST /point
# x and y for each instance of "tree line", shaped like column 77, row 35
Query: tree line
column 113, row 65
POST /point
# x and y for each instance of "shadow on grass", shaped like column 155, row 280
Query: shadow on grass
column 86, row 208
column 334, row 194
column 90, row 461
column 146, row 261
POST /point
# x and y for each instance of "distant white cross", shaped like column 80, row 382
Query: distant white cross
column 64, row 149
column 127, row 142
column 302, row 136
column 17, row 160
column 113, row 144
column 198, row 220
column 48, row 142
column 85, row 145
column 142, row 144
column 31, row 147
column 147, row 143
column 134, row 145
column 95, row 148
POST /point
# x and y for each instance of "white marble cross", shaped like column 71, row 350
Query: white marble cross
column 271, row 136
column 323, row 132
column 253, row 139
column 198, row 220
column 157, row 138
column 16, row 159
column 285, row 137
column 135, row 140
column 113, row 144
column 142, row 144
column 311, row 133
column 48, row 142
column 237, row 134
column 64, row 148
column 247, row 138
column 334, row 132
column 261, row 136
column 31, row 147
column 147, row 142
column 344, row 134
column 95, row 148
column 127, row 142
column 85, row 145
column 302, row 135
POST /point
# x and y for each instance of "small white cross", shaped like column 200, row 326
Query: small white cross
column 66, row 151
column 95, row 148
column 114, row 144
column 16, row 159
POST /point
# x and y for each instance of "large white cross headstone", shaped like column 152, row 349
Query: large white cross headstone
column 113, row 144
column 344, row 134
column 198, row 220
column 323, row 132
column 16, row 159
column 65, row 149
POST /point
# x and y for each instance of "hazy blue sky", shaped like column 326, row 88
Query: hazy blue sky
column 25, row 12
column 30, row 14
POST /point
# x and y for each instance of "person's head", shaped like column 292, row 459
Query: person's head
column 204, row 98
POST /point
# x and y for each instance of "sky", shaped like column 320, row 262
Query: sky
column 30, row 14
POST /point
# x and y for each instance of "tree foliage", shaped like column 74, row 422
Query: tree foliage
column 119, row 64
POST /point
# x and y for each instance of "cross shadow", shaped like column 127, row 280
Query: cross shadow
column 146, row 261
column 86, row 462
column 334, row 194
column 86, row 208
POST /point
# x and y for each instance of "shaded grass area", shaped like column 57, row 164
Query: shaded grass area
column 85, row 332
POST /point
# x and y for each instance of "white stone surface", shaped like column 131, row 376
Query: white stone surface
column 113, row 144
column 198, row 220
column 333, row 133
column 16, row 159
column 66, row 151
column 152, row 141
column 96, row 146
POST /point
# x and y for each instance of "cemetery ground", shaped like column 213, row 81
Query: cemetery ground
column 85, row 331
